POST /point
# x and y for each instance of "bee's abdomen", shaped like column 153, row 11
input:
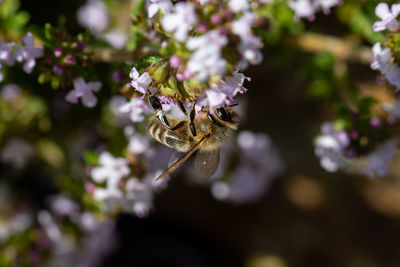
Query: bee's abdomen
column 163, row 135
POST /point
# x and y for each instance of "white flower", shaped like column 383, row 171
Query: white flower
column 93, row 14
column 164, row 5
column 303, row 8
column 308, row 8
column 242, row 26
column 111, row 170
column 382, row 61
column 381, row 58
column 140, row 82
column 181, row 21
column 330, row 146
column 250, row 49
column 116, row 38
column 239, row 5
column 206, row 59
column 388, row 17
column 137, row 108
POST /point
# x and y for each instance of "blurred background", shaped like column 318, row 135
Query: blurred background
column 302, row 216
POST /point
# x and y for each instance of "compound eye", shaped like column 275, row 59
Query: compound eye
column 222, row 114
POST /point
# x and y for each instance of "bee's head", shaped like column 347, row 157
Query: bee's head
column 227, row 116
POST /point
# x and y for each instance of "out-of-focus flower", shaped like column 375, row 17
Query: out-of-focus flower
column 239, row 5
column 382, row 61
column 28, row 53
column 10, row 91
column 121, row 119
column 308, row 8
column 330, row 146
column 139, row 196
column 84, row 91
column 111, row 170
column 378, row 161
column 206, row 58
column 140, row 82
column 180, row 21
column 242, row 26
column 155, row 5
column 393, row 110
column 63, row 206
column 93, row 15
column 388, row 17
column 6, row 53
column 16, row 152
column 116, row 38
column 259, row 163
column 138, row 144
column 137, row 108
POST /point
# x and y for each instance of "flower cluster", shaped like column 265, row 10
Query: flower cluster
column 25, row 52
column 330, row 148
column 308, row 8
column 117, row 182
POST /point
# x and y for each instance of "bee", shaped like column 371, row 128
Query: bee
column 205, row 134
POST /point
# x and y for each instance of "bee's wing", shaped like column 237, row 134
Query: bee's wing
column 206, row 162
column 175, row 157
column 177, row 163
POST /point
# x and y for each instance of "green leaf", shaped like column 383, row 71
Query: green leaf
column 147, row 61
column 48, row 31
column 138, row 9
column 91, row 158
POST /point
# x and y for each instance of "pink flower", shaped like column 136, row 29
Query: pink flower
column 388, row 17
column 28, row 53
column 84, row 91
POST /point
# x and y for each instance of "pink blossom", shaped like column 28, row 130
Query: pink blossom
column 84, row 91
column 28, row 53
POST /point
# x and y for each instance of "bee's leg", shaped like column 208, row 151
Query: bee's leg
column 156, row 105
column 192, row 116
column 234, row 104
column 182, row 107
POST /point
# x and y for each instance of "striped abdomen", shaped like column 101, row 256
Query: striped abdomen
column 177, row 139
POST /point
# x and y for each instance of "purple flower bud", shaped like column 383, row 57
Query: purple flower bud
column 175, row 61
column 82, row 45
column 118, row 76
column 57, row 69
column 69, row 59
column 375, row 123
column 180, row 77
column 164, row 44
column 350, row 153
column 202, row 27
column 353, row 134
column 216, row 19
column 188, row 74
column 58, row 52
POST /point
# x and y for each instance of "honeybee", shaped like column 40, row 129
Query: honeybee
column 205, row 133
